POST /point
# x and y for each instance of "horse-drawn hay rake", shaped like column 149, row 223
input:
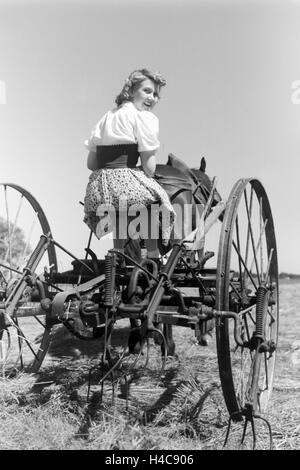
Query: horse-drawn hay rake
column 239, row 297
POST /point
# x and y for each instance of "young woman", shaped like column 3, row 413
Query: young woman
column 117, row 141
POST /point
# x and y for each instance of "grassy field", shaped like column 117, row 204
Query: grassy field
column 182, row 409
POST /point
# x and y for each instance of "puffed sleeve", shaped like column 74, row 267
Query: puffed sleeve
column 147, row 131
column 95, row 137
column 89, row 144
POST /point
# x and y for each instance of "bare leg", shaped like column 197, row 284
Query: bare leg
column 152, row 248
column 119, row 244
column 151, row 244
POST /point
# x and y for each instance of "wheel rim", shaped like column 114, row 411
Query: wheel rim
column 24, row 339
column 247, row 261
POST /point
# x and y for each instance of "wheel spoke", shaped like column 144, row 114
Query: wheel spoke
column 10, row 269
column 269, row 265
column 39, row 321
column 15, row 288
column 235, row 290
column 262, row 227
column 251, row 237
column 248, row 234
column 14, row 227
column 22, row 337
column 239, row 249
column 259, row 245
column 53, row 286
column 243, row 263
column 252, row 319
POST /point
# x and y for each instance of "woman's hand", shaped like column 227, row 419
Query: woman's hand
column 148, row 162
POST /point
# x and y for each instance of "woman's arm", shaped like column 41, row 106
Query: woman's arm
column 92, row 161
column 148, row 162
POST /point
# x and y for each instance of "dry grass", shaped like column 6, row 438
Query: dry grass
column 182, row 410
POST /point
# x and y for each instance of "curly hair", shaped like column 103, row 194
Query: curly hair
column 134, row 80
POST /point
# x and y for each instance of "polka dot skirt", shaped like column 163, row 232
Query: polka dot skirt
column 109, row 186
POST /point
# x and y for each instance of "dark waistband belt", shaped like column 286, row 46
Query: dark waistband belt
column 117, row 156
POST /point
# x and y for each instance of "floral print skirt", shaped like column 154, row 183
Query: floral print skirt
column 110, row 186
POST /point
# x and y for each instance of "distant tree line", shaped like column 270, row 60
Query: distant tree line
column 289, row 275
column 18, row 247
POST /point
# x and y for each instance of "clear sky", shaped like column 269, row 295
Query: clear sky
column 229, row 66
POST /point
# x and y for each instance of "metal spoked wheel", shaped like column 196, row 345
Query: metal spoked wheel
column 247, row 284
column 24, row 339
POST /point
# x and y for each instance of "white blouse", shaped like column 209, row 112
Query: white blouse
column 126, row 125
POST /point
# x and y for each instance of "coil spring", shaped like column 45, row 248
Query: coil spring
column 262, row 292
column 109, row 278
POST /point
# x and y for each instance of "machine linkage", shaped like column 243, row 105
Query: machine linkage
column 167, row 304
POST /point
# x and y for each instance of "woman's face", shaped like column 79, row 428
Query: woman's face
column 146, row 95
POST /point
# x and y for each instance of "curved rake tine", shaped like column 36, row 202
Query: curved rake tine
column 250, row 417
column 109, row 372
column 125, row 350
column 91, row 369
column 147, row 354
column 112, row 380
column 89, row 385
column 21, row 339
column 269, row 429
column 102, row 385
column 113, row 390
column 129, row 369
column 227, row 432
column 124, row 375
column 165, row 349
column 247, row 420
column 141, row 352
column 127, row 391
column 244, row 432
column 253, row 433
column 113, row 367
column 229, row 426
